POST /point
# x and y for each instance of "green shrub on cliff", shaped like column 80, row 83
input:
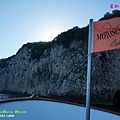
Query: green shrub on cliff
column 115, row 13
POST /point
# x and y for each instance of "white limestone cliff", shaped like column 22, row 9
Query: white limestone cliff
column 62, row 71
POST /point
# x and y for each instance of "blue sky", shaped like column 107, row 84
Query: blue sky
column 23, row 21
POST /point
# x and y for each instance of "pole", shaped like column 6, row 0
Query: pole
column 89, row 69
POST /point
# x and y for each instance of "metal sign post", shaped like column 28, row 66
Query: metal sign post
column 90, row 41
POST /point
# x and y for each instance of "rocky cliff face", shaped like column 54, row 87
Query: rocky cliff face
column 62, row 71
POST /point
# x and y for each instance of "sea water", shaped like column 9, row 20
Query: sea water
column 4, row 96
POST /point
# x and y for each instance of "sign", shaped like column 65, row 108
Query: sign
column 106, row 35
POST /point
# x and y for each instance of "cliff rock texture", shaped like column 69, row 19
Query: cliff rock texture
column 61, row 71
